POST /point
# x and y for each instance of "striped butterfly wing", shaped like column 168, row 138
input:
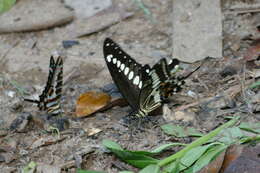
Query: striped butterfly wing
column 50, row 98
column 43, row 98
column 54, row 93
column 149, row 98
column 169, row 83
column 125, row 71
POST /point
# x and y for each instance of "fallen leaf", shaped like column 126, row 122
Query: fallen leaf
column 232, row 153
column 253, row 52
column 242, row 159
column 215, row 165
column 91, row 102
column 252, row 55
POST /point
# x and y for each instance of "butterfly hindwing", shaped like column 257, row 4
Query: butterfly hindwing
column 149, row 98
column 125, row 71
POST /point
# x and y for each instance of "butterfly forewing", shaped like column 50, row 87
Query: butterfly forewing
column 125, row 71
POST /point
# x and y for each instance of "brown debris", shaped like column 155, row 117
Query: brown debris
column 240, row 159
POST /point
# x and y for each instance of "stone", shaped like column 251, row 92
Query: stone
column 31, row 15
column 197, row 29
column 87, row 8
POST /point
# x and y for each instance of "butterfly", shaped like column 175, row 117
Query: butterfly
column 50, row 98
column 144, row 87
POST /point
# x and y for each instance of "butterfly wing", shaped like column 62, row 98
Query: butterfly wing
column 53, row 97
column 125, row 71
column 50, row 98
column 49, row 85
column 166, row 72
column 149, row 98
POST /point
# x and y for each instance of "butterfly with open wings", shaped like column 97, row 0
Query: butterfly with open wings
column 143, row 87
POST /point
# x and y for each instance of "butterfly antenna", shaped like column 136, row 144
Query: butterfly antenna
column 32, row 101
column 188, row 75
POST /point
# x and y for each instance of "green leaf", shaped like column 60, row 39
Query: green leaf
column 125, row 172
column 231, row 135
column 150, row 169
column 247, row 139
column 165, row 146
column 88, row 171
column 251, row 127
column 6, row 5
column 111, row 144
column 194, row 132
column 202, row 140
column 174, row 130
column 29, row 168
column 193, row 155
column 173, row 167
column 136, row 159
column 210, row 155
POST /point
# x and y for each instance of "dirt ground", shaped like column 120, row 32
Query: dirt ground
column 216, row 88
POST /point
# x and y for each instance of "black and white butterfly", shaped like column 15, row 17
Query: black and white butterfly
column 143, row 87
column 50, row 98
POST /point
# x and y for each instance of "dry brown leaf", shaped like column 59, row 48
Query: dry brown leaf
column 215, row 165
column 90, row 102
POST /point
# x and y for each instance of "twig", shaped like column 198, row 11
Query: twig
column 241, row 11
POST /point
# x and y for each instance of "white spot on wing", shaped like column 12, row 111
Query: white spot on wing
column 170, row 61
column 118, row 64
column 107, row 44
column 136, row 80
column 126, row 71
column 109, row 57
column 122, row 67
column 131, row 75
column 147, row 70
column 140, row 84
column 114, row 60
